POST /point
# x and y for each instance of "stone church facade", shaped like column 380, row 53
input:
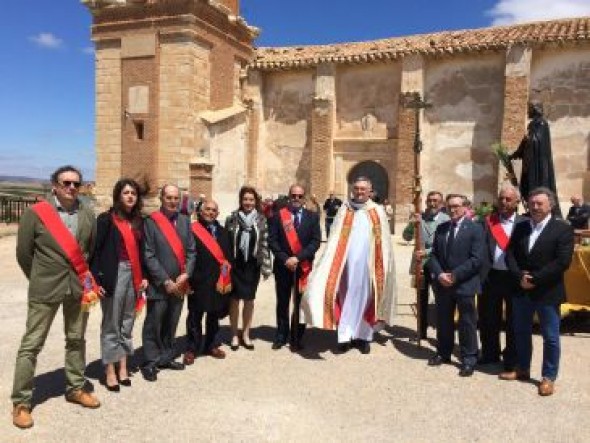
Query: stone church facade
column 182, row 96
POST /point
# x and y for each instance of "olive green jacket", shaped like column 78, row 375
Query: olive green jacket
column 50, row 274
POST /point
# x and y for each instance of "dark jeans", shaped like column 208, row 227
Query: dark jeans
column 159, row 330
column 194, row 329
column 498, row 290
column 523, row 311
column 284, row 285
column 446, row 302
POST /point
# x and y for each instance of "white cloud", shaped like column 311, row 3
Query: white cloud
column 507, row 12
column 47, row 40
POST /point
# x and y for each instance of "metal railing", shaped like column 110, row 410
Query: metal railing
column 11, row 208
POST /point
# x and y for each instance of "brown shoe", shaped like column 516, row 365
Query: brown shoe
column 546, row 388
column 21, row 417
column 515, row 375
column 189, row 358
column 83, row 398
column 216, row 353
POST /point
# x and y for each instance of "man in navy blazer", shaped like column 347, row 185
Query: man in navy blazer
column 454, row 266
column 287, row 265
column 540, row 252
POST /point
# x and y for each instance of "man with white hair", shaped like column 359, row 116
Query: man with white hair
column 352, row 288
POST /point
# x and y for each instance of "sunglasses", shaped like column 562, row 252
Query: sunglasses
column 297, row 196
column 68, row 183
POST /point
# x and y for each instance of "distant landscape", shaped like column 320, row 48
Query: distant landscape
column 18, row 186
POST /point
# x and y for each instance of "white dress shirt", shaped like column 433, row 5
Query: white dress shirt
column 536, row 230
column 500, row 255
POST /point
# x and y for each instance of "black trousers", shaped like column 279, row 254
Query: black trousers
column 194, row 328
column 446, row 302
column 159, row 330
column 284, row 281
column 497, row 290
column 424, row 291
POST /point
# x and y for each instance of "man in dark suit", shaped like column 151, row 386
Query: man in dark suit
column 579, row 213
column 539, row 253
column 168, row 282
column 294, row 236
column 211, row 283
column 498, row 285
column 454, row 266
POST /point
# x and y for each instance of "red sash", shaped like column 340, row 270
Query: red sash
column 295, row 245
column 70, row 247
column 169, row 232
column 128, row 237
column 493, row 221
column 224, row 280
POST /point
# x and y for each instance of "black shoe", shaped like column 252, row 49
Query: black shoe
column 438, row 360
column 149, row 373
column 278, row 345
column 466, row 371
column 487, row 361
column 363, row 346
column 249, row 346
column 234, row 347
column 344, row 347
column 125, row 382
column 174, row 365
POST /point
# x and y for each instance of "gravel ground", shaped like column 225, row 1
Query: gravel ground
column 319, row 395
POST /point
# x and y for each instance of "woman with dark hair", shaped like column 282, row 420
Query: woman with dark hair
column 248, row 232
column 117, row 268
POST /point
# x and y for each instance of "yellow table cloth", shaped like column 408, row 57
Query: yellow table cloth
column 577, row 281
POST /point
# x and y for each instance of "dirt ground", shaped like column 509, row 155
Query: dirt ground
column 318, row 395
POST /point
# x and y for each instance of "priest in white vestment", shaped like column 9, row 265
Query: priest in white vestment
column 352, row 289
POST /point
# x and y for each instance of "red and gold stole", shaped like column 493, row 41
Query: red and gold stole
column 332, row 310
column 71, row 249
column 169, row 232
column 495, row 225
column 224, row 280
column 296, row 248
column 132, row 249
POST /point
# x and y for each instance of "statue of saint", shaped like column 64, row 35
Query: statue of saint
column 535, row 152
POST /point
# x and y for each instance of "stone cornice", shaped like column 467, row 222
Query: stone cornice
column 555, row 32
column 109, row 16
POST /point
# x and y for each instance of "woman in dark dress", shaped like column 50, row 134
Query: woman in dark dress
column 248, row 233
column 117, row 270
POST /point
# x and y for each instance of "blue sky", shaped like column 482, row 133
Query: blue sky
column 47, row 65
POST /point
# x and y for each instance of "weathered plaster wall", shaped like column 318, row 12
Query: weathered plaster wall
column 464, row 121
column 228, row 154
column 367, row 100
column 561, row 79
column 284, row 152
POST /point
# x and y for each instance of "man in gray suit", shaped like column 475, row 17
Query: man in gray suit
column 170, row 259
column 53, row 282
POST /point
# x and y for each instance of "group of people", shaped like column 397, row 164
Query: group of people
column 128, row 262
column 506, row 260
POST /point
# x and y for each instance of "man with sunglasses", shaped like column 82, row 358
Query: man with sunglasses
column 294, row 237
column 55, row 240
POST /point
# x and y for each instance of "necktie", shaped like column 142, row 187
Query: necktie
column 212, row 229
column 296, row 220
column 451, row 239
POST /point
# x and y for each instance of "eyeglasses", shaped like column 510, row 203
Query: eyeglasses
column 297, row 196
column 68, row 183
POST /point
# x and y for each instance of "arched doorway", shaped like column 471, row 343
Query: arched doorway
column 374, row 172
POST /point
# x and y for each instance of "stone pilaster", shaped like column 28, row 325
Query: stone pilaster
column 412, row 80
column 201, row 177
column 109, row 119
column 322, row 130
column 516, row 95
